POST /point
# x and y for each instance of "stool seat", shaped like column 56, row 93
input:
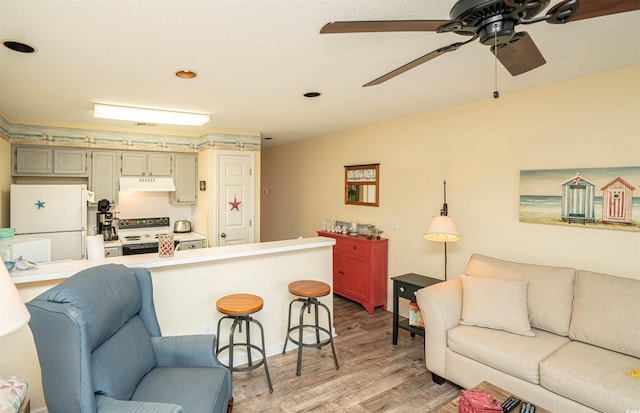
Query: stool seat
column 239, row 304
column 309, row 288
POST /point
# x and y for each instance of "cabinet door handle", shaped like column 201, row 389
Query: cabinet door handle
column 341, row 272
column 355, row 247
column 401, row 289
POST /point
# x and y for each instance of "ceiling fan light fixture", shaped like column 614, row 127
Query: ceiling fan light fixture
column 186, row 74
column 144, row 115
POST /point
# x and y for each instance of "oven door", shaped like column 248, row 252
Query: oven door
column 142, row 248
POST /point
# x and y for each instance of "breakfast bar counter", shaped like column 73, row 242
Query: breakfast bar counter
column 65, row 269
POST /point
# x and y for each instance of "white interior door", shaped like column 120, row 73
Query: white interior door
column 235, row 198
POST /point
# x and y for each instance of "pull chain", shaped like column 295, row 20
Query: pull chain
column 496, row 94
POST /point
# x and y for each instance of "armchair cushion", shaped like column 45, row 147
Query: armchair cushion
column 106, row 301
column 196, row 389
column 123, row 360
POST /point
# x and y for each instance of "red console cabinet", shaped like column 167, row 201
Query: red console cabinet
column 360, row 269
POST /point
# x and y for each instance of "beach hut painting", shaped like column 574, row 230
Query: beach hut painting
column 603, row 198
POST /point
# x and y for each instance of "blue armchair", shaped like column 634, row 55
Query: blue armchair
column 101, row 350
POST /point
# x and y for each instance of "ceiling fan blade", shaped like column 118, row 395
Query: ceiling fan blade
column 384, row 26
column 417, row 62
column 588, row 9
column 519, row 55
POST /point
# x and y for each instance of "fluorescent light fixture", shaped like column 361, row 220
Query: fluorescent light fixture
column 149, row 115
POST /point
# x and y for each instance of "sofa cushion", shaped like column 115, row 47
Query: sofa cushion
column 593, row 376
column 549, row 293
column 500, row 304
column 513, row 354
column 123, row 360
column 606, row 312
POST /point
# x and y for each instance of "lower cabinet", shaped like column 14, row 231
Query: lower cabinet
column 360, row 269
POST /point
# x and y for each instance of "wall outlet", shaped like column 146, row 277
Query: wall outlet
column 393, row 223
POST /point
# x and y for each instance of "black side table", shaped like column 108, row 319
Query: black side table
column 406, row 286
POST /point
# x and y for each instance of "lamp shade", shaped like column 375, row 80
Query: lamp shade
column 442, row 229
column 13, row 312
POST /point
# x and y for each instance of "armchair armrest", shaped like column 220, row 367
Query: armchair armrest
column 190, row 350
column 108, row 405
column 441, row 307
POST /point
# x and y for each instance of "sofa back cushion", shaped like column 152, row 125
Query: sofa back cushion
column 606, row 312
column 549, row 293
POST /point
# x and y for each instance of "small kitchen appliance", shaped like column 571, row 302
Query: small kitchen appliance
column 140, row 236
column 104, row 218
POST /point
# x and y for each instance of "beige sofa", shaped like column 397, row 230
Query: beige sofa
column 563, row 339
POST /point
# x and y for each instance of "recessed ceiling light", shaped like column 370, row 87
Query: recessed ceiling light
column 311, row 94
column 267, row 138
column 18, row 46
column 186, row 74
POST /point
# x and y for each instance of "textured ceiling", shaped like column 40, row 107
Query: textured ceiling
column 256, row 58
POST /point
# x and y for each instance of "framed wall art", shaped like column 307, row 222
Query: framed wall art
column 361, row 185
column 604, row 198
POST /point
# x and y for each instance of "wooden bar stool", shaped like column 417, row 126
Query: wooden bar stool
column 309, row 291
column 239, row 307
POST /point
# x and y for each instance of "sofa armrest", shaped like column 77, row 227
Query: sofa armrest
column 190, row 350
column 108, row 405
column 441, row 307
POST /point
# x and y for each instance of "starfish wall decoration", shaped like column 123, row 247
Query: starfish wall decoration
column 235, row 204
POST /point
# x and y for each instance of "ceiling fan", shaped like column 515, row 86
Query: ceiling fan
column 493, row 22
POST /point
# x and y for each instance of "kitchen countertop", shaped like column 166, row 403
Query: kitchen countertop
column 65, row 269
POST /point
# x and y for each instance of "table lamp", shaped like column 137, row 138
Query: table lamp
column 13, row 312
column 442, row 229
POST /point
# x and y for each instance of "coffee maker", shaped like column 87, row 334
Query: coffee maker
column 104, row 218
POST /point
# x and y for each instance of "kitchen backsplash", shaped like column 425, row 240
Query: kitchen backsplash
column 144, row 205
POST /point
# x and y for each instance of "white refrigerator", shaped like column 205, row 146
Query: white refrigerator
column 55, row 212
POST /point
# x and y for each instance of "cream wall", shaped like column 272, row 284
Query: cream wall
column 5, row 181
column 479, row 148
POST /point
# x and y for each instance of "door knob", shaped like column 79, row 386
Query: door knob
column 223, row 235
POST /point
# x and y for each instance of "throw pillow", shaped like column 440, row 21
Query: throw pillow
column 497, row 304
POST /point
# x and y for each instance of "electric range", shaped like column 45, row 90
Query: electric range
column 140, row 235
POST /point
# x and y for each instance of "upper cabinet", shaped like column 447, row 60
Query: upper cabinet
column 145, row 164
column 104, row 175
column 186, row 179
column 35, row 161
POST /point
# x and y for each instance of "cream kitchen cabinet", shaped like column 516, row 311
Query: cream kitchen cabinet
column 186, row 179
column 104, row 175
column 37, row 161
column 145, row 164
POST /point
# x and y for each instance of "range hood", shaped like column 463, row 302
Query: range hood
column 147, row 184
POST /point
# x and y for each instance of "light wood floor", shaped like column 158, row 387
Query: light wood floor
column 374, row 375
